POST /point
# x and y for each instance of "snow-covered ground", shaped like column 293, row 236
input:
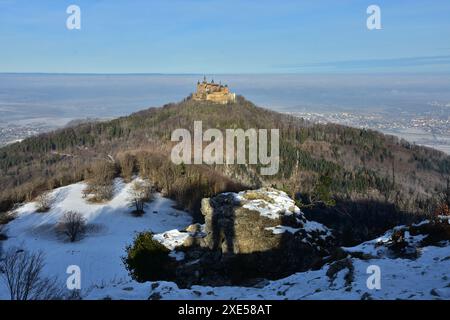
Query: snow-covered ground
column 99, row 253
column 427, row 277
column 104, row 276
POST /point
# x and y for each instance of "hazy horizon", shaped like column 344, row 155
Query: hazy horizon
column 24, row 96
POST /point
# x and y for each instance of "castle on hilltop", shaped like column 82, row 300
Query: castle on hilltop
column 210, row 91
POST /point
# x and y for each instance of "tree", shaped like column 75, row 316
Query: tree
column 22, row 272
column 139, row 194
column 447, row 193
column 167, row 177
column 127, row 163
column 72, row 225
column 321, row 193
column 44, row 202
column 100, row 182
column 442, row 210
column 443, row 205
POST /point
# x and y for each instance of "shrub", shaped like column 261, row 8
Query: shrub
column 139, row 194
column 148, row 260
column 6, row 217
column 127, row 163
column 44, row 202
column 442, row 210
column 102, row 172
column 436, row 231
column 100, row 182
column 187, row 185
column 3, row 236
column 340, row 265
column 72, row 225
column 400, row 247
column 98, row 193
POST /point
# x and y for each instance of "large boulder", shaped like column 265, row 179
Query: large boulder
column 262, row 232
column 257, row 221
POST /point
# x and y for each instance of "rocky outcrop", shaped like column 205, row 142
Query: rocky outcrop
column 259, row 221
column 252, row 235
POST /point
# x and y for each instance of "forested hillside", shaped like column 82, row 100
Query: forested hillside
column 321, row 166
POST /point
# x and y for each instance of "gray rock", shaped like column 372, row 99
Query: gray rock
column 264, row 231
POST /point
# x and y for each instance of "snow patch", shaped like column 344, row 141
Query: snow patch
column 99, row 253
column 272, row 205
column 171, row 239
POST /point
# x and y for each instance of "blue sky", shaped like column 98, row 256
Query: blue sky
column 227, row 36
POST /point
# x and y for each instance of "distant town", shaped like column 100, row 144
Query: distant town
column 10, row 133
column 430, row 128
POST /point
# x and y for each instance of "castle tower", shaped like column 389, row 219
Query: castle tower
column 210, row 91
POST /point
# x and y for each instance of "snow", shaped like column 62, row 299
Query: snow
column 104, row 276
column 425, row 278
column 171, row 239
column 99, row 253
column 282, row 229
column 373, row 247
column 310, row 226
column 279, row 204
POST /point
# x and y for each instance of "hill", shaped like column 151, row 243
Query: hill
column 343, row 171
column 419, row 256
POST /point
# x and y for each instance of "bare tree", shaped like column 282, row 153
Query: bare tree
column 44, row 202
column 72, row 225
column 22, row 272
column 139, row 194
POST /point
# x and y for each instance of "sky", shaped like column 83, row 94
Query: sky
column 225, row 37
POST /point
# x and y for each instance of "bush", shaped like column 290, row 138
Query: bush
column 436, row 231
column 72, row 225
column 127, row 164
column 44, row 202
column 139, row 194
column 6, row 217
column 187, row 185
column 148, row 260
column 100, row 182
column 442, row 210
column 97, row 193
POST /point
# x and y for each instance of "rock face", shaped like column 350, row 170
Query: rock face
column 263, row 232
column 257, row 221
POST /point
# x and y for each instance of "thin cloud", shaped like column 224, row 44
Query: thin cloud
column 376, row 63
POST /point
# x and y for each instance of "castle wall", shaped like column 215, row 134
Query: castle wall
column 213, row 92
